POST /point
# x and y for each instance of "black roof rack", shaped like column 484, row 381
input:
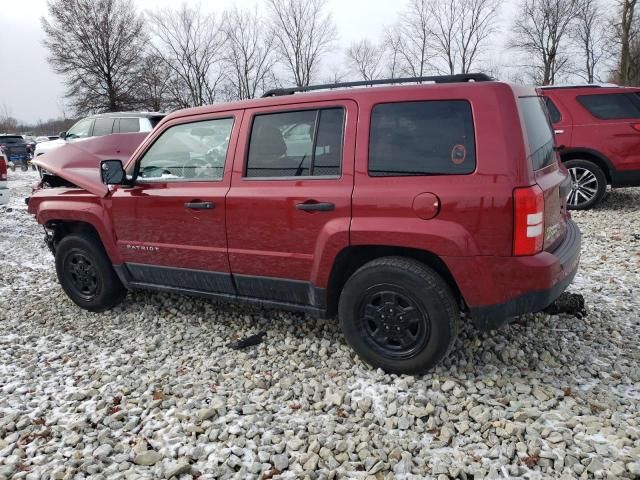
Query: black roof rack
column 462, row 77
column 586, row 85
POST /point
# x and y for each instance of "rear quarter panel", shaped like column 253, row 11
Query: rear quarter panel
column 475, row 216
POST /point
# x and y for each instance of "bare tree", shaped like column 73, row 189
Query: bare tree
column 590, row 36
column 626, row 31
column 460, row 29
column 97, row 45
column 392, row 46
column 414, row 29
column 303, row 33
column 189, row 42
column 365, row 58
column 248, row 53
column 154, row 84
column 540, row 31
column 8, row 124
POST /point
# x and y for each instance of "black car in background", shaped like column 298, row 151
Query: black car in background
column 15, row 149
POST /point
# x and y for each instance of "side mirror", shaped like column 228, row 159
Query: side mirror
column 63, row 135
column 112, row 172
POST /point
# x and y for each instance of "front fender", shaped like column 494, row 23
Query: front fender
column 81, row 207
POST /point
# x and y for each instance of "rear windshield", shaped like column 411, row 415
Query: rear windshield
column 612, row 106
column 422, row 138
column 11, row 139
column 539, row 133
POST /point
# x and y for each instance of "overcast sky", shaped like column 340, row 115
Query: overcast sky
column 31, row 91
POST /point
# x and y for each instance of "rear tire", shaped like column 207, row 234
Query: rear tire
column 398, row 315
column 86, row 274
column 588, row 184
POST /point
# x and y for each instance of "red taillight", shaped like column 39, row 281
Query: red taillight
column 635, row 126
column 528, row 220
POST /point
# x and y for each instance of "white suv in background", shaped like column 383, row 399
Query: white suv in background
column 103, row 124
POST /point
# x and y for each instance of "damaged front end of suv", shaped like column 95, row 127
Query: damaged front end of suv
column 70, row 183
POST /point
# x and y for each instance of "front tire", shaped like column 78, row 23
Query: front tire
column 588, row 184
column 86, row 274
column 398, row 315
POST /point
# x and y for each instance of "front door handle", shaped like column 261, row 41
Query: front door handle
column 200, row 205
column 558, row 131
column 313, row 206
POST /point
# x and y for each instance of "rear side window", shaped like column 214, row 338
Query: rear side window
column 129, row 125
column 302, row 143
column 422, row 138
column 554, row 113
column 103, row 126
column 539, row 133
column 612, row 106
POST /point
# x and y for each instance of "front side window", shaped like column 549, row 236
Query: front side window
column 422, row 138
column 103, row 126
column 82, row 129
column 554, row 113
column 191, row 151
column 612, row 106
column 296, row 144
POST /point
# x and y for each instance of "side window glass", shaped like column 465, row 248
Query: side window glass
column 129, row 125
column 611, row 106
column 422, row 138
column 554, row 113
column 103, row 126
column 296, row 144
column 191, row 151
column 80, row 129
column 328, row 151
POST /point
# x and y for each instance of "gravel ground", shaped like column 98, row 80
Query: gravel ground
column 149, row 390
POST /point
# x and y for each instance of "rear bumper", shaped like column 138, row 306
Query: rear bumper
column 625, row 178
column 526, row 284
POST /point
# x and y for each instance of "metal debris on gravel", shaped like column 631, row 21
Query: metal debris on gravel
column 151, row 390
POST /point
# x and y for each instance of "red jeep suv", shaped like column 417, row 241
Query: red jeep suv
column 597, row 130
column 394, row 207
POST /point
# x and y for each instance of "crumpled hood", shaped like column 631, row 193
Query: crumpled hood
column 79, row 162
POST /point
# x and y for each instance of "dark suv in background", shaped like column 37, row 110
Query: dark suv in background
column 597, row 131
column 15, row 149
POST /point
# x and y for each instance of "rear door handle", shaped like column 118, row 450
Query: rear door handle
column 200, row 205
column 558, row 131
column 313, row 206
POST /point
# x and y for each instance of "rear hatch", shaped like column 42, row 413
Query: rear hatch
column 14, row 147
column 552, row 178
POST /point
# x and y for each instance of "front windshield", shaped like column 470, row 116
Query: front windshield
column 80, row 129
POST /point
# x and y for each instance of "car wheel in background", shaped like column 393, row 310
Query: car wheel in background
column 588, row 184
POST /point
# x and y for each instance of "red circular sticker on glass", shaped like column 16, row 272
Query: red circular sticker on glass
column 458, row 154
